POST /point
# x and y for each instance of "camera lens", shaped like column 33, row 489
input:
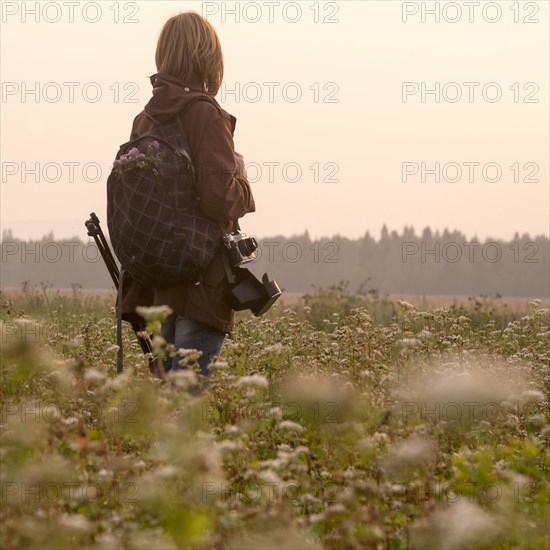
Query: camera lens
column 248, row 246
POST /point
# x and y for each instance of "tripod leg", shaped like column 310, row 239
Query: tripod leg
column 107, row 249
column 156, row 365
column 95, row 231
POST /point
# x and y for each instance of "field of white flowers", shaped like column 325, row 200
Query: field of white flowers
column 342, row 422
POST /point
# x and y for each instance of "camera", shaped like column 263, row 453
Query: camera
column 246, row 291
column 240, row 248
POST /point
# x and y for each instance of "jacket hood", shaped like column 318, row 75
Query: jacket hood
column 171, row 95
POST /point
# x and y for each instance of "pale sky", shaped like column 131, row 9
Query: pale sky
column 357, row 143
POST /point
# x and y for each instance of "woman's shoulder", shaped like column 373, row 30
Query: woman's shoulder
column 208, row 111
column 209, row 107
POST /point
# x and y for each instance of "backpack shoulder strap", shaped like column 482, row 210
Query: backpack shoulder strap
column 151, row 117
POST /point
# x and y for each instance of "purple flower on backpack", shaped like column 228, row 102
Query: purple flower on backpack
column 135, row 159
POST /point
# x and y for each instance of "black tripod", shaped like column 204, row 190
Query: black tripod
column 94, row 230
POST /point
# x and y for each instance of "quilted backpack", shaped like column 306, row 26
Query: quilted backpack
column 157, row 231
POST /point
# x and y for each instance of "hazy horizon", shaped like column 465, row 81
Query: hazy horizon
column 27, row 233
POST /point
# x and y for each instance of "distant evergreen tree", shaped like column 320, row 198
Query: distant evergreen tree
column 432, row 263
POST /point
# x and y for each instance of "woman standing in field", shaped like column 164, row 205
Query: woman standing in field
column 189, row 62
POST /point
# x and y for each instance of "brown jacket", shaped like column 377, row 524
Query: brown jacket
column 222, row 188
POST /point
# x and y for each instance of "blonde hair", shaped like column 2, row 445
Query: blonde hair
column 189, row 49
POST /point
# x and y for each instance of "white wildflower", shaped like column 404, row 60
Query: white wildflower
column 253, row 380
column 51, row 413
column 275, row 412
column 154, row 313
column 118, row 382
column 95, row 376
column 300, row 450
column 77, row 522
column 531, row 396
column 184, row 352
column 269, row 476
column 337, row 508
column 219, row 364
column 183, row 378
column 308, row 498
column 228, row 445
column 70, row 421
column 275, row 349
column 290, row 426
column 461, row 525
column 410, row 452
column 166, row 472
column 316, row 518
column 408, row 342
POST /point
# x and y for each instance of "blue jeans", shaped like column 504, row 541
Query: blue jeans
column 189, row 334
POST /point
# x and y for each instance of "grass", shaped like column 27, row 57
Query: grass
column 343, row 421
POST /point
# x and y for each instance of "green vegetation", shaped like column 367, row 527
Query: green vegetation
column 347, row 421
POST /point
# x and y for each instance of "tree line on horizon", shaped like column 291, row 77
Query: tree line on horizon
column 432, row 263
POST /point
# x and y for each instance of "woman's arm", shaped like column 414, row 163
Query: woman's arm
column 221, row 181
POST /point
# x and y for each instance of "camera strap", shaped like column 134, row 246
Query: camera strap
column 228, row 270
